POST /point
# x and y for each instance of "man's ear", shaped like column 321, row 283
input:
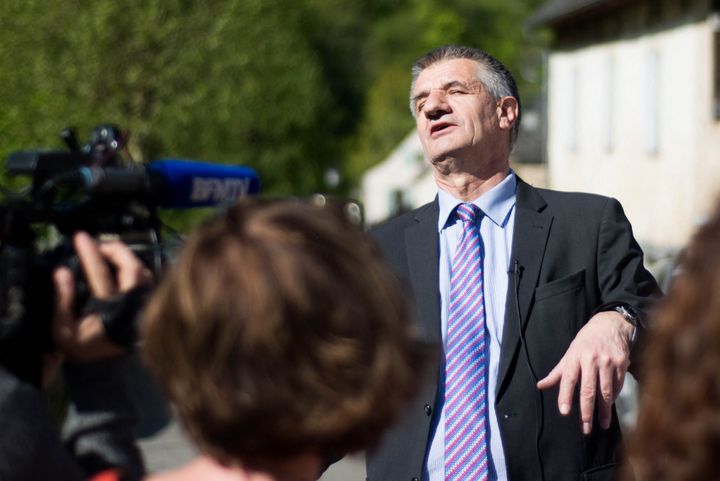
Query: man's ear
column 507, row 111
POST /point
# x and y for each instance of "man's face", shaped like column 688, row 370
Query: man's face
column 455, row 116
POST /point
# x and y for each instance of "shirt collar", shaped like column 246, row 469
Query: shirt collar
column 495, row 204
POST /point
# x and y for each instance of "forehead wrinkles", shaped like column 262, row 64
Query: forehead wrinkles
column 446, row 74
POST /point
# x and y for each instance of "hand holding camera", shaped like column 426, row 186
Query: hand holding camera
column 85, row 339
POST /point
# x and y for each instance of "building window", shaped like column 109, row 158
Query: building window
column 652, row 102
column 572, row 115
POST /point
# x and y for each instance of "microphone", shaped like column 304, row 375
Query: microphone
column 174, row 184
column 517, row 268
column 187, row 184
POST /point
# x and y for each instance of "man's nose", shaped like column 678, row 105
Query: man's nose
column 436, row 104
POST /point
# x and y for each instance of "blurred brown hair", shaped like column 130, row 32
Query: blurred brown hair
column 280, row 330
column 678, row 430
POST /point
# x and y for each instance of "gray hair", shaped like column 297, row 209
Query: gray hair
column 494, row 77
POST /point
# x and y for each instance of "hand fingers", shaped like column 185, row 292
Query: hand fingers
column 131, row 272
column 567, row 379
column 588, row 390
column 63, row 324
column 92, row 342
column 94, row 267
column 604, row 414
column 619, row 382
column 551, row 379
column 607, row 395
column 568, row 382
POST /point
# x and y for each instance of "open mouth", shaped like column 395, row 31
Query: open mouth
column 439, row 127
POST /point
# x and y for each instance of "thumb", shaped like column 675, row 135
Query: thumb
column 552, row 379
column 63, row 322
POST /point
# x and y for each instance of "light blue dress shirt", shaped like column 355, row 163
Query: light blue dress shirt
column 496, row 229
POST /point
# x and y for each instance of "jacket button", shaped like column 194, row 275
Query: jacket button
column 428, row 409
column 415, row 479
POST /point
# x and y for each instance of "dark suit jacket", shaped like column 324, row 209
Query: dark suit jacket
column 575, row 255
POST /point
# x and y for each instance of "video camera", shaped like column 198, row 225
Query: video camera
column 96, row 188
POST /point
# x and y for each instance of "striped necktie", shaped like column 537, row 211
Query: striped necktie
column 466, row 456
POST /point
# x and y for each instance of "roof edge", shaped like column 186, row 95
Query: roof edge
column 557, row 11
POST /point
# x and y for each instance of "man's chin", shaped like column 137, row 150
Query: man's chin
column 442, row 163
column 446, row 154
column 444, row 149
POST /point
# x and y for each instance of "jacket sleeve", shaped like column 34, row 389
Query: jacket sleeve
column 622, row 276
column 99, row 430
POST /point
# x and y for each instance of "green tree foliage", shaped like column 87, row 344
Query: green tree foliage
column 227, row 81
column 414, row 27
column 289, row 88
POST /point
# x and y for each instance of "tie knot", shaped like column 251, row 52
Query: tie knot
column 467, row 212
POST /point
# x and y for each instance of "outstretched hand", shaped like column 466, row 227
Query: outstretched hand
column 598, row 356
column 84, row 340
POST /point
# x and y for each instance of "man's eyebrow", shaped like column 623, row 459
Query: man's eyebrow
column 421, row 95
column 446, row 86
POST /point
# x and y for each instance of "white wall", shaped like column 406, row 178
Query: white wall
column 405, row 170
column 632, row 119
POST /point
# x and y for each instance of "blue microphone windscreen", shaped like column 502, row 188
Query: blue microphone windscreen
column 200, row 184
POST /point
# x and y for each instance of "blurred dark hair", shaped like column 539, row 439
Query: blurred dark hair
column 280, row 330
column 678, row 430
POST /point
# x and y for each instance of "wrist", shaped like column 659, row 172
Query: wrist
column 631, row 317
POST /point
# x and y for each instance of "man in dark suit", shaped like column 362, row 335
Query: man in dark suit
column 561, row 309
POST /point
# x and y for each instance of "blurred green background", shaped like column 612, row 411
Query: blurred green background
column 291, row 88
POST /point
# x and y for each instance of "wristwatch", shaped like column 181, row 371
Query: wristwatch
column 630, row 316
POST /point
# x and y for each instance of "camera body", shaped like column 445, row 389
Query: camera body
column 36, row 227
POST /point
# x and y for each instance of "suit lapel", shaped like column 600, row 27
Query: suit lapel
column 423, row 251
column 532, row 226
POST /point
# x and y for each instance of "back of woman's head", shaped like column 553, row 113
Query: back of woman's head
column 678, row 431
column 280, row 330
